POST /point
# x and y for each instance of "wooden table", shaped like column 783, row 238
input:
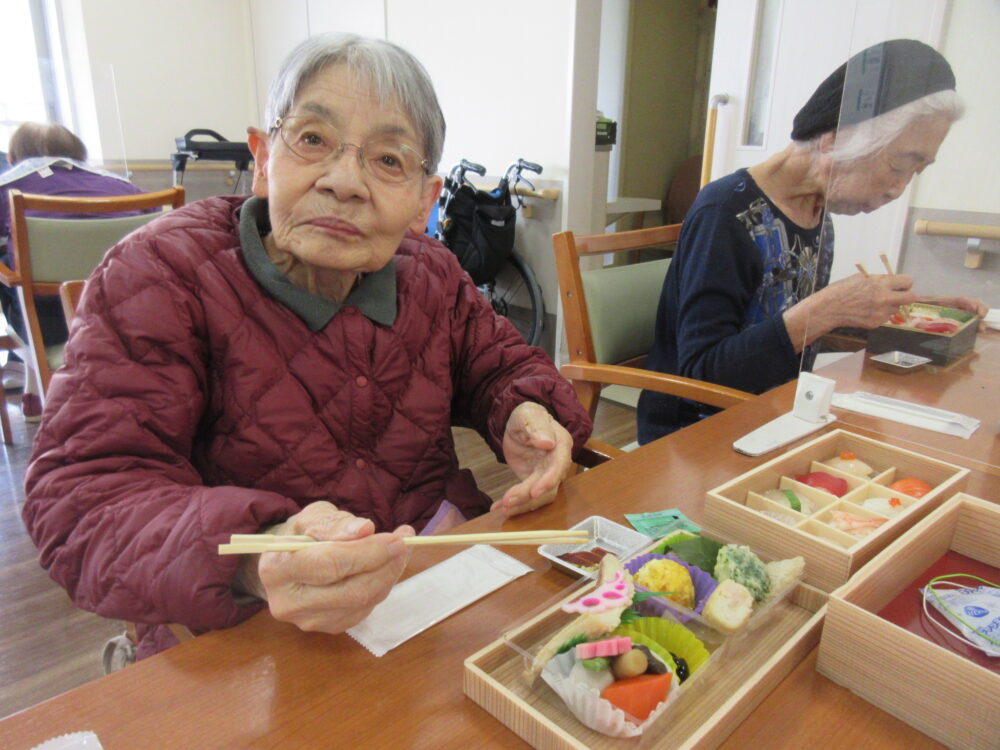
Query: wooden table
column 265, row 684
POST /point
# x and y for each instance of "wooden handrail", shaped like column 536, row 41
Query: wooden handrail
column 947, row 229
column 549, row 194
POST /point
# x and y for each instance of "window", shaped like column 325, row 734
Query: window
column 26, row 95
column 762, row 71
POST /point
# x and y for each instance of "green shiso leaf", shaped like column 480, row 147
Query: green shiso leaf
column 572, row 642
column 698, row 551
column 960, row 315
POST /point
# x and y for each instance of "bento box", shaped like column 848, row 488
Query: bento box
column 940, row 333
column 835, row 534
column 878, row 640
column 736, row 671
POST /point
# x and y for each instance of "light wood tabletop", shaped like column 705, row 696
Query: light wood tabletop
column 266, row 684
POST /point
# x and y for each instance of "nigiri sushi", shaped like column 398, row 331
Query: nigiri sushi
column 887, row 506
column 848, row 461
column 853, row 524
column 911, row 486
column 823, row 481
column 789, row 499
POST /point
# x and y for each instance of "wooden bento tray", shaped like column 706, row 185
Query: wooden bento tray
column 735, row 680
column 832, row 556
column 927, row 683
column 941, row 348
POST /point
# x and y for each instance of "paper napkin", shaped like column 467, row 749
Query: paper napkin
column 432, row 595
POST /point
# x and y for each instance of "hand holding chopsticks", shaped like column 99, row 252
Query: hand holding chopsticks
column 241, row 544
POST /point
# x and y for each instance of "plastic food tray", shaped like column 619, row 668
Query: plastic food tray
column 615, row 538
column 742, row 669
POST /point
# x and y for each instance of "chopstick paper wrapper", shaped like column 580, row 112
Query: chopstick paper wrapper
column 433, row 594
column 907, row 412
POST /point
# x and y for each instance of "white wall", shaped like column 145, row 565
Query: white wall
column 509, row 77
column 966, row 176
column 177, row 65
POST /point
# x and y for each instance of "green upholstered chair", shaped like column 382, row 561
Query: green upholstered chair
column 609, row 315
column 49, row 251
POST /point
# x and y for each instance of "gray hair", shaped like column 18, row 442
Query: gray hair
column 394, row 74
column 870, row 136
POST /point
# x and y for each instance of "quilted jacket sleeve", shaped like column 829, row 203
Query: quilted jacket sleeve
column 120, row 515
column 496, row 371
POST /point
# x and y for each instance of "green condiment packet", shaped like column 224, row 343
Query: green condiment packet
column 662, row 522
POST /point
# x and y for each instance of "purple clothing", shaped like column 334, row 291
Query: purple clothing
column 53, row 176
column 61, row 179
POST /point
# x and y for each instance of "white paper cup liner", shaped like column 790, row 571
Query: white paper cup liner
column 589, row 708
column 73, row 741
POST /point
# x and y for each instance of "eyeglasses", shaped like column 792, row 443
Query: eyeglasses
column 315, row 140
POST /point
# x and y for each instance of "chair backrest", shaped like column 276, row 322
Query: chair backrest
column 621, row 305
column 49, row 251
column 610, row 318
column 610, row 313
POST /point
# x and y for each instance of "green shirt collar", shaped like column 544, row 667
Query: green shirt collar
column 374, row 295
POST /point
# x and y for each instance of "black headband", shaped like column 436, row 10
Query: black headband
column 874, row 81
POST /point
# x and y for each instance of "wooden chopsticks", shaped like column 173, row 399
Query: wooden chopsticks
column 243, row 544
column 885, row 264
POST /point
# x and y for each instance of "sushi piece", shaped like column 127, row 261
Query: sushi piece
column 790, row 499
column 823, row 481
column 854, row 525
column 887, row 506
column 786, row 518
column 911, row 486
column 848, row 461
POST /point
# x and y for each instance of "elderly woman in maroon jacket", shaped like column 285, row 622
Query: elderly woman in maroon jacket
column 293, row 361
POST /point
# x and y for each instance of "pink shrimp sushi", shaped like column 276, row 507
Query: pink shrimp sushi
column 854, row 525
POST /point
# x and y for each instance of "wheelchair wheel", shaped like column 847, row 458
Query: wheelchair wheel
column 515, row 294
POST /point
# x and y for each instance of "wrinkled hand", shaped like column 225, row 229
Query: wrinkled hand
column 330, row 587
column 865, row 301
column 539, row 451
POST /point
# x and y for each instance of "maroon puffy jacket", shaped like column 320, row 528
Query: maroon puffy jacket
column 193, row 405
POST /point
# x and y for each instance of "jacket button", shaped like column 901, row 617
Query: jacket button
column 361, row 463
column 361, row 381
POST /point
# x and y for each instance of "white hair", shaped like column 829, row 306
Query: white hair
column 870, row 136
column 394, row 74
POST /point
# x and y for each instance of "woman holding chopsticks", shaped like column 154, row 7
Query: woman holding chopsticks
column 747, row 293
column 289, row 363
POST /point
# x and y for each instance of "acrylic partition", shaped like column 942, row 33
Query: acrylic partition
column 914, row 196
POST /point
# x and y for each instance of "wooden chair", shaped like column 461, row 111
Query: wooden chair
column 50, row 251
column 69, row 294
column 610, row 313
column 7, row 344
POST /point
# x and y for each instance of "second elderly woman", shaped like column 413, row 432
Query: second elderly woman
column 293, row 361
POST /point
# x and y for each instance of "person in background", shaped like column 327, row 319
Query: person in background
column 747, row 294
column 290, row 362
column 45, row 159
